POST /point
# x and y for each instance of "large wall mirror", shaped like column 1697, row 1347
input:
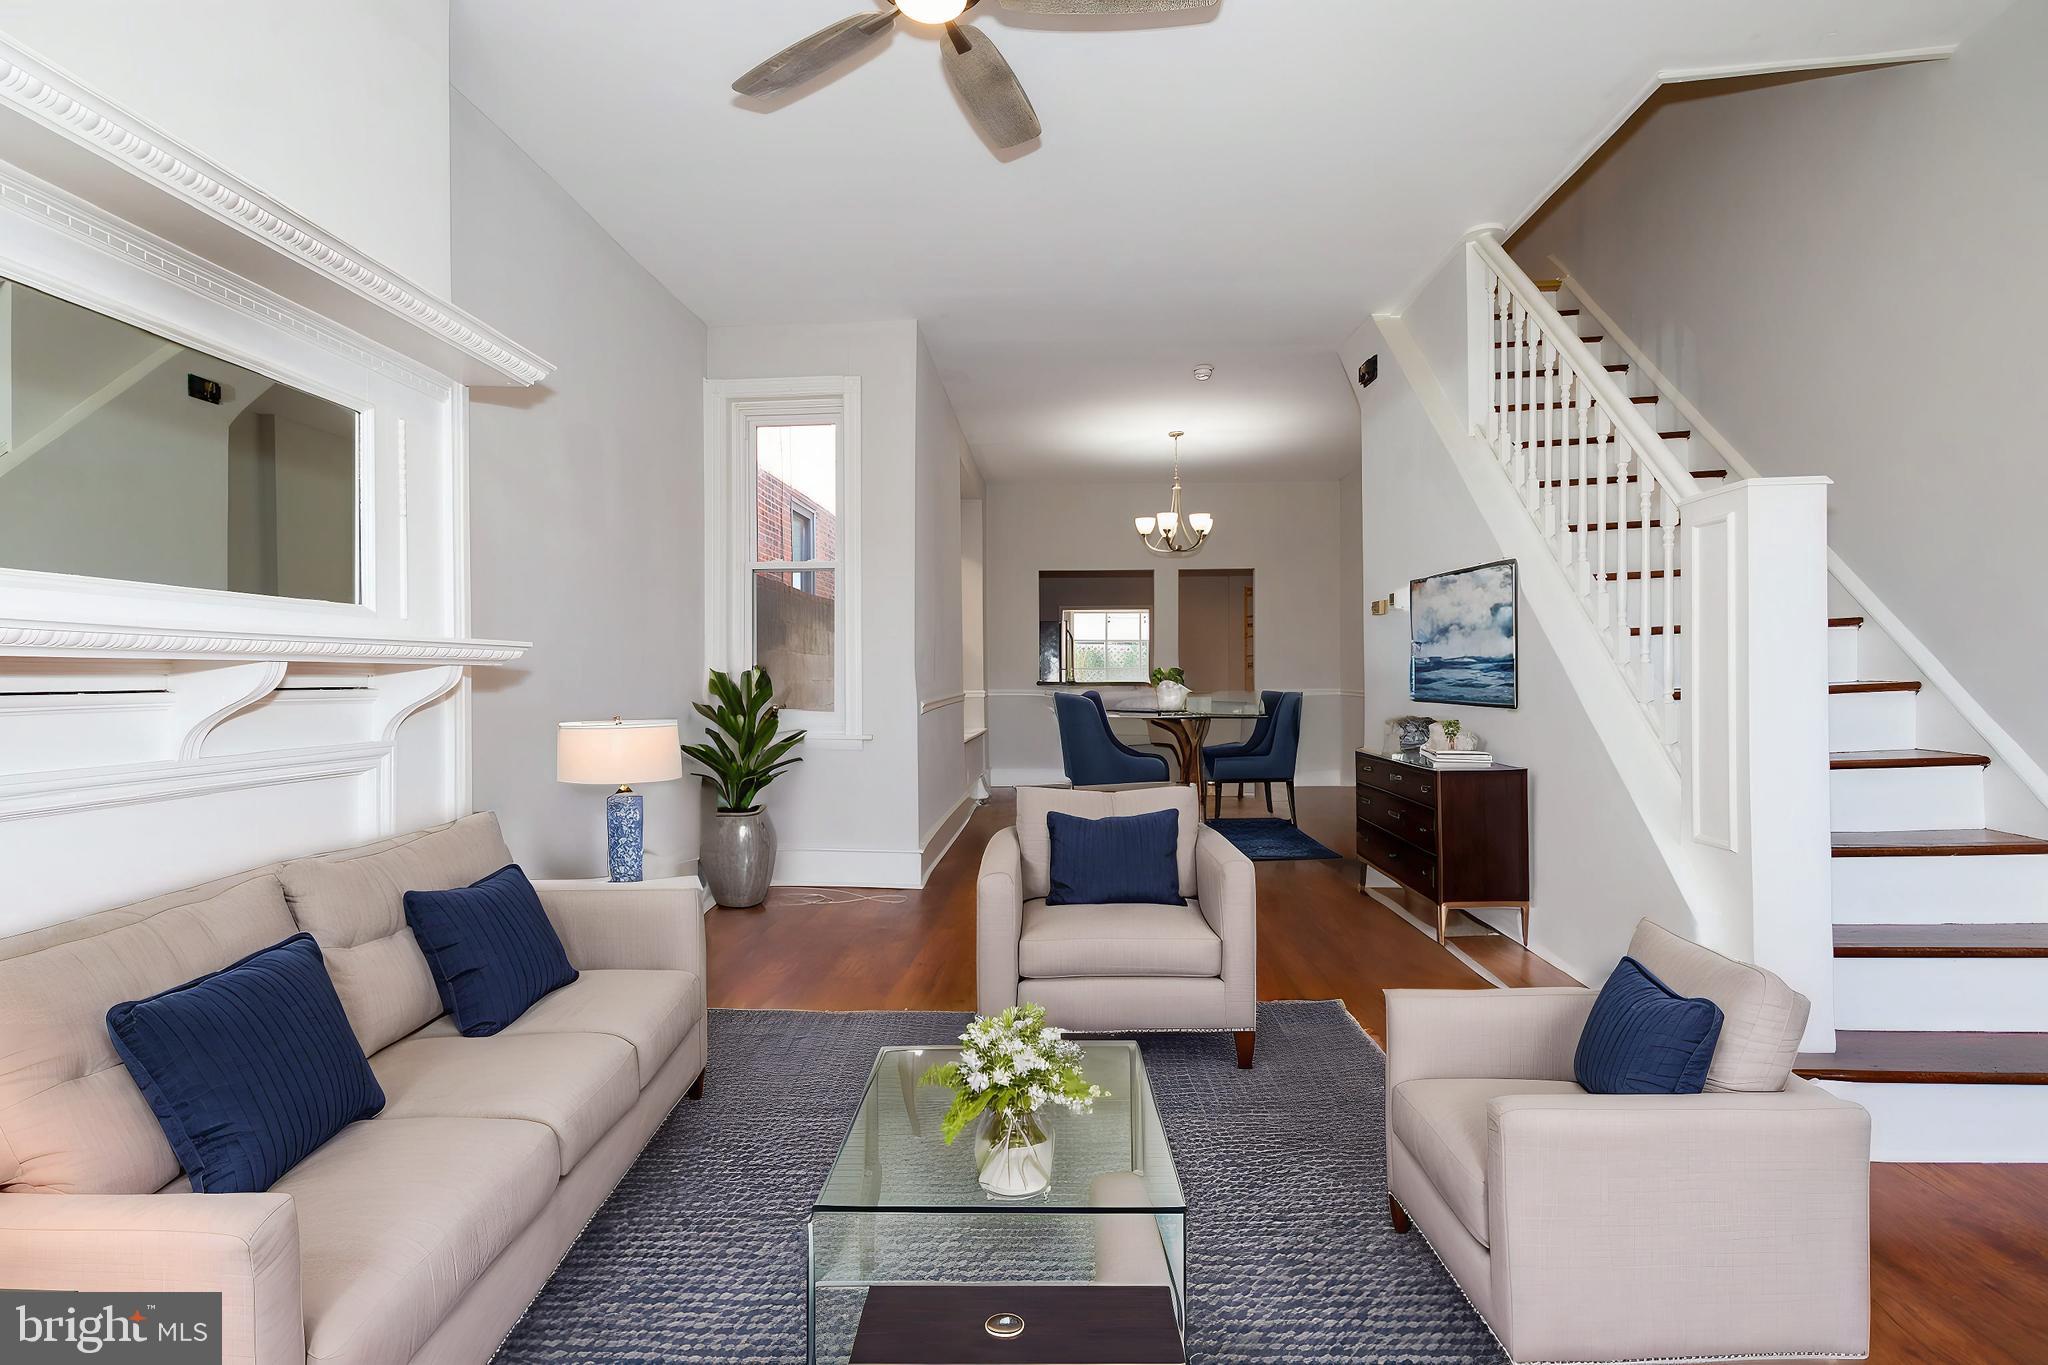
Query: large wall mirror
column 124, row 455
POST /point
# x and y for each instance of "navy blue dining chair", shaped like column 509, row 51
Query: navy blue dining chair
column 1257, row 742
column 1272, row 761
column 1090, row 751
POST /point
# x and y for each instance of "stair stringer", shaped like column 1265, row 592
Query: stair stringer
column 1715, row 887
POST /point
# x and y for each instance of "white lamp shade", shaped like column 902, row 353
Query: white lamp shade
column 1145, row 525
column 1169, row 522
column 1201, row 522
column 618, row 753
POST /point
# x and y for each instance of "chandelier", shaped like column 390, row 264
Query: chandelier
column 1170, row 533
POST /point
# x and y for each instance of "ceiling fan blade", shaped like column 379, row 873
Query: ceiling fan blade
column 988, row 86
column 811, row 57
column 1104, row 6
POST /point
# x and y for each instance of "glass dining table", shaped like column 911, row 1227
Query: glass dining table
column 1187, row 728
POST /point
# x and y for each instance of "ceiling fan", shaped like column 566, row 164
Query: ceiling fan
column 978, row 71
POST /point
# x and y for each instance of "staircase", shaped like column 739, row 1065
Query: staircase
column 1941, row 931
column 1940, row 923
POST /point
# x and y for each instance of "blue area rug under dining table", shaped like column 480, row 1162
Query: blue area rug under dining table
column 699, row 1256
column 1271, row 841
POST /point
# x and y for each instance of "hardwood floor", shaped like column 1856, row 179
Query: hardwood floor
column 1959, row 1254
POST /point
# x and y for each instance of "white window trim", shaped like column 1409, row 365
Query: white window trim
column 1067, row 615
column 731, row 408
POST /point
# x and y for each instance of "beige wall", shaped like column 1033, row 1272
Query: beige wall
column 1838, row 272
column 1290, row 535
column 585, row 505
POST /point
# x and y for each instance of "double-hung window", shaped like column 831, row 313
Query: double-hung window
column 782, row 573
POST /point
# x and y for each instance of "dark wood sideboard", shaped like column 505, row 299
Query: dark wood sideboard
column 1459, row 836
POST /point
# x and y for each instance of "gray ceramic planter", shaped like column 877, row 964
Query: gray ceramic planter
column 738, row 860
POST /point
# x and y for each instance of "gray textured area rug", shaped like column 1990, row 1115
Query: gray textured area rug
column 699, row 1254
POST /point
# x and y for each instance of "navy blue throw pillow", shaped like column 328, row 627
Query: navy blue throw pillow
column 490, row 947
column 1643, row 1038
column 248, row 1068
column 1121, row 859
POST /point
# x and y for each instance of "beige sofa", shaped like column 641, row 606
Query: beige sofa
column 1120, row 968
column 418, row 1235
column 1729, row 1224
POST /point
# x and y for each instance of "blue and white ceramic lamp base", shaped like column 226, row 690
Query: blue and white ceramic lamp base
column 625, row 824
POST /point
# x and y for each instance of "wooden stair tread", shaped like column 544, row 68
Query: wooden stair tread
column 1545, row 374
column 1635, row 575
column 1606, row 440
column 1562, row 312
column 1941, row 940
column 1655, row 630
column 1853, row 759
column 1834, row 621
column 1590, row 341
column 1901, row 1057
column 1842, row 689
column 1616, row 478
column 1609, row 526
column 1933, row 843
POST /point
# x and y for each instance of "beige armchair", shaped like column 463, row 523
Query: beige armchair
column 1120, row 968
column 1734, row 1223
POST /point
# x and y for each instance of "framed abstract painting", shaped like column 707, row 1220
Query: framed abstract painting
column 1462, row 636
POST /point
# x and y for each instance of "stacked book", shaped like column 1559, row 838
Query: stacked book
column 1457, row 758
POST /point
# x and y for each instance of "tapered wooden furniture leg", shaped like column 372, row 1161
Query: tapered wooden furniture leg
column 1245, row 1042
column 1269, row 798
column 696, row 1090
column 1293, row 811
column 1443, row 924
column 1525, row 924
column 1398, row 1214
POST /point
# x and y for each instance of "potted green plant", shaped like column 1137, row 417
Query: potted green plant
column 1171, row 687
column 744, row 752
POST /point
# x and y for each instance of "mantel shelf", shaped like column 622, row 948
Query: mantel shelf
column 92, row 152
column 75, row 640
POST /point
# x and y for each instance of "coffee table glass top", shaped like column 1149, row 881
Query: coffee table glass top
column 894, row 1159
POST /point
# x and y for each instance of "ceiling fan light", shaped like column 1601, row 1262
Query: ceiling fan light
column 932, row 11
column 1146, row 525
column 1202, row 523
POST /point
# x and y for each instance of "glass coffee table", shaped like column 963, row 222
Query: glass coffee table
column 911, row 1261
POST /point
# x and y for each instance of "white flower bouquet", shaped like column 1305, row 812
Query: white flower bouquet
column 1013, row 1065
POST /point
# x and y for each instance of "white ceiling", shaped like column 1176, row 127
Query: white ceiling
column 1241, row 186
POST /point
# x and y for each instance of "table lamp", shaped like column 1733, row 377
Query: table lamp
column 620, row 752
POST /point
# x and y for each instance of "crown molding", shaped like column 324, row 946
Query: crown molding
column 457, row 344
column 68, row 639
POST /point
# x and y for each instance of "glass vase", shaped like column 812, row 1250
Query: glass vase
column 1013, row 1154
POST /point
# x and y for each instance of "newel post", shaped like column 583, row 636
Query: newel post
column 1754, row 727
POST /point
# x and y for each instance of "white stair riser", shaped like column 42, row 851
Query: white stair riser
column 1842, row 660
column 1942, row 994
column 1989, row 889
column 1871, row 720
column 1952, row 1122
column 1906, row 798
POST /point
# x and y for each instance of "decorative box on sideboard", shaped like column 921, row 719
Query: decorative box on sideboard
column 1458, row 836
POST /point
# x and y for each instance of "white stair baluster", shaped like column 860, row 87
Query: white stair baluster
column 1649, row 513
column 1620, row 642
column 1671, row 669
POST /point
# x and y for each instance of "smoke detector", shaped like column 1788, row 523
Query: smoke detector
column 1204, row 373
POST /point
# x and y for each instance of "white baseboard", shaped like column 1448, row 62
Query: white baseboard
column 939, row 839
column 895, row 869
column 1027, row 777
